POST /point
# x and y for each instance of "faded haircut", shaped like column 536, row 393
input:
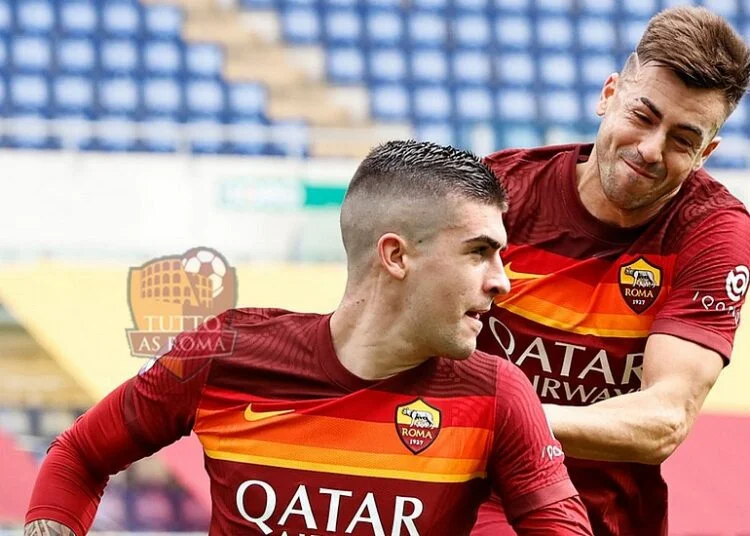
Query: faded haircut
column 700, row 47
column 401, row 186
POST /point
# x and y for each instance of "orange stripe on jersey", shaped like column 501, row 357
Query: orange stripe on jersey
column 333, row 433
column 340, row 461
column 344, row 470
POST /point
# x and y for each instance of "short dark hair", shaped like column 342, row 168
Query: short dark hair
column 422, row 169
column 700, row 47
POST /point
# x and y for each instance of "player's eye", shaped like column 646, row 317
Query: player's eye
column 643, row 118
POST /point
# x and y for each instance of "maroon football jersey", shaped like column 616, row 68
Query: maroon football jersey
column 297, row 445
column 586, row 295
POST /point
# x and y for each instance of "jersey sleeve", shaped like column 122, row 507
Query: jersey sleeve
column 710, row 283
column 526, row 465
column 144, row 414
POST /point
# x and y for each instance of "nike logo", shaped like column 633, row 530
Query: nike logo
column 253, row 416
column 520, row 275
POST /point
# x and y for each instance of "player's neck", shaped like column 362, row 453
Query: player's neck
column 369, row 343
column 595, row 201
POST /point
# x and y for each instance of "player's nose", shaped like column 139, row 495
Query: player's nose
column 497, row 283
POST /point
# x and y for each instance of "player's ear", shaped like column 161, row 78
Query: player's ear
column 710, row 148
column 608, row 91
column 392, row 255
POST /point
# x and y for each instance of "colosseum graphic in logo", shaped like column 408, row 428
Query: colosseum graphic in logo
column 640, row 283
column 417, row 425
column 178, row 293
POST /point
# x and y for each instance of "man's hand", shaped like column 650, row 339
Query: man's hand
column 45, row 527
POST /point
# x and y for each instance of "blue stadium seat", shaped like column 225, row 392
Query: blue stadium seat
column 31, row 132
column 519, row 135
column 5, row 59
column 387, row 65
column 555, row 33
column 162, row 57
column 205, row 98
column 346, row 65
column 36, row 17
column 74, row 95
column 474, row 104
column 121, row 19
column 427, row 29
column 471, row 5
column 429, row 65
column 114, row 134
column 119, row 56
column 246, row 100
column 390, row 102
column 472, row 31
column 740, row 118
column 431, row 5
column 516, row 105
column 207, row 137
column 472, row 67
column 597, row 7
column 163, row 21
column 513, row 32
column 76, row 55
column 631, row 32
column 555, row 6
column 162, row 97
column 726, row 8
column 6, row 18
column 119, row 96
column 204, row 60
column 3, row 99
column 386, row 4
column 29, row 94
column 596, row 34
column 596, row 68
column 342, row 27
column 160, row 136
column 31, row 54
column 432, row 103
column 247, row 136
column 341, row 3
column 516, row 69
column 590, row 102
column 301, row 25
column 513, row 6
column 441, row 133
column 560, row 107
column 557, row 70
column 288, row 138
column 384, row 28
column 258, row 4
column 734, row 151
column 640, row 9
column 78, row 18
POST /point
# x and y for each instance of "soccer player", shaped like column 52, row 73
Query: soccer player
column 629, row 265
column 379, row 419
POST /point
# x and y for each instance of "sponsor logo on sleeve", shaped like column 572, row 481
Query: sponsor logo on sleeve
column 737, row 282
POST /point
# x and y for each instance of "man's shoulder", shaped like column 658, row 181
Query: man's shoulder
column 534, row 156
column 258, row 316
column 488, row 369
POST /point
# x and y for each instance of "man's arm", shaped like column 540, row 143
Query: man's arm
column 648, row 425
column 45, row 527
column 526, row 467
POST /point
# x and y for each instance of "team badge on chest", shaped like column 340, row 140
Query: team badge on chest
column 417, row 425
column 640, row 283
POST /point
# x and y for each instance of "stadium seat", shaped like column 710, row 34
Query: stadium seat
column 205, row 98
column 204, row 60
column 246, row 100
column 513, row 6
column 346, row 65
column 560, row 107
column 558, row 70
column 390, row 102
column 387, row 65
column 640, row 9
column 301, row 25
column 440, row 133
column 516, row 105
column 474, row 104
column 516, row 69
column 73, row 95
column 76, row 55
column 162, row 57
column 432, row 103
column 119, row 96
column 472, row 5
column 596, row 34
column 119, row 57
column 631, row 32
column 207, row 137
column 78, row 18
column 36, row 17
column 384, row 28
column 472, row 31
column 429, row 65
column 514, row 32
column 121, row 19
column 598, row 7
column 163, row 21
column 162, row 97
column 596, row 68
column 342, row 27
column 427, row 29
column 555, row 6
column 29, row 94
column 31, row 54
column 472, row 67
column 6, row 18
column 555, row 33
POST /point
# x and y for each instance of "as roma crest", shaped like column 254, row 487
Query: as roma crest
column 640, row 284
column 417, row 425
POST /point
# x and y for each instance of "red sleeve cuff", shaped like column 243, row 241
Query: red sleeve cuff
column 56, row 514
column 540, row 498
column 691, row 332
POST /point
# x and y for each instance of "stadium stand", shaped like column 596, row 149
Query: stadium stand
column 316, row 77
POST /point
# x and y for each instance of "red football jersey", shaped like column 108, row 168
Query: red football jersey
column 586, row 295
column 296, row 445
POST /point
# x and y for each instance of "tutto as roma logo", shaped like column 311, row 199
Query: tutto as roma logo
column 417, row 425
column 640, row 284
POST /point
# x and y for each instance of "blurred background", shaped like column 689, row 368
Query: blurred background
column 133, row 129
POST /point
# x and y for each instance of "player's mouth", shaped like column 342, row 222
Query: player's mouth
column 476, row 314
column 640, row 171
